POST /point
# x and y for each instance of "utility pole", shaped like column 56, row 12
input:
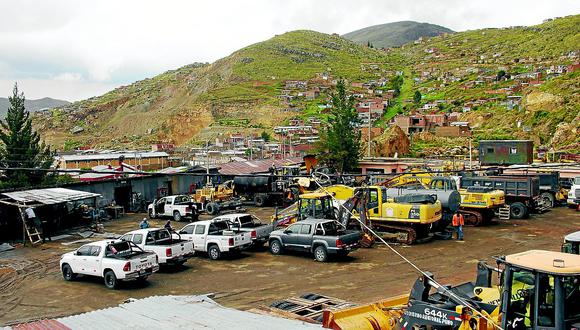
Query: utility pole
column 470, row 166
column 207, row 162
column 369, row 135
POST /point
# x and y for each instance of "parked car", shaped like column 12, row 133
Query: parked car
column 322, row 237
column 170, row 250
column 247, row 223
column 114, row 261
column 177, row 206
column 215, row 238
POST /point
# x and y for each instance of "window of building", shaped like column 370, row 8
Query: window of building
column 490, row 150
column 513, row 151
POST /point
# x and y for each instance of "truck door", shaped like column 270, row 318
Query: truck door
column 168, row 209
column 94, row 261
column 82, row 260
column 160, row 206
column 199, row 237
column 304, row 238
column 292, row 236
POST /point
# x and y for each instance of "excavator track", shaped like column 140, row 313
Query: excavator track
column 396, row 234
column 472, row 218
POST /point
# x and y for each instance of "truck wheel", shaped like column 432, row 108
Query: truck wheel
column 110, row 280
column 548, row 199
column 151, row 215
column 214, row 252
column 176, row 216
column 320, row 253
column 259, row 200
column 67, row 273
column 518, row 210
column 212, row 209
column 275, row 247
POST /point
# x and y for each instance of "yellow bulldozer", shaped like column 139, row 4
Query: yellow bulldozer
column 537, row 290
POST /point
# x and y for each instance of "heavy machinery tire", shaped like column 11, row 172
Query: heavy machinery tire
column 311, row 296
column 214, row 252
column 548, row 199
column 67, row 273
column 276, row 247
column 212, row 209
column 259, row 200
column 320, row 254
column 518, row 210
column 110, row 279
column 176, row 216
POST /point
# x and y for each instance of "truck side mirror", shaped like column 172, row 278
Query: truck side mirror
column 566, row 248
column 287, row 231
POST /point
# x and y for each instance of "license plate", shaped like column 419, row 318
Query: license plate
column 141, row 272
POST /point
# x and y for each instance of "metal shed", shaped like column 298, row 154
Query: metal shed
column 170, row 312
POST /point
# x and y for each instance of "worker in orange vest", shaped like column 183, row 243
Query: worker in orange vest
column 458, row 223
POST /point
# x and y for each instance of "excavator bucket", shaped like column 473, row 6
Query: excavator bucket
column 380, row 315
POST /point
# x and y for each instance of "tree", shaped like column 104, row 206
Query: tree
column 265, row 136
column 417, row 97
column 340, row 140
column 21, row 146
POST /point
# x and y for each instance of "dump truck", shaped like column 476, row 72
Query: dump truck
column 551, row 192
column 522, row 194
column 540, row 290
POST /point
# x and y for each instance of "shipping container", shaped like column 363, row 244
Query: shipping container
column 506, row 152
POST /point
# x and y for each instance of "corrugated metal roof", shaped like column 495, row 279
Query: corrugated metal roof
column 114, row 156
column 177, row 312
column 49, row 196
column 255, row 166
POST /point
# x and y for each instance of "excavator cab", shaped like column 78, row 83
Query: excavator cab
column 550, row 295
column 316, row 206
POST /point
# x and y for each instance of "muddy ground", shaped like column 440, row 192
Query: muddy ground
column 31, row 285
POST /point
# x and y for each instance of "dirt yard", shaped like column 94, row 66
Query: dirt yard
column 31, row 285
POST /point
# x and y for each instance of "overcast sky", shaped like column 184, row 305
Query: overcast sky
column 77, row 49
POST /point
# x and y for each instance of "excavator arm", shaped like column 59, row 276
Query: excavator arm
column 358, row 202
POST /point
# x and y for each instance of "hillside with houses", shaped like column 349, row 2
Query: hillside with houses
column 442, row 92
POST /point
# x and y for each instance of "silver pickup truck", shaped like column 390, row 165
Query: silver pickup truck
column 322, row 237
column 245, row 222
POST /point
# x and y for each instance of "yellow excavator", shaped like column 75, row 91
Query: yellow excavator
column 537, row 290
column 402, row 219
column 478, row 204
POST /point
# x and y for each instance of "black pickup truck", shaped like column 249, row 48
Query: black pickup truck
column 322, row 237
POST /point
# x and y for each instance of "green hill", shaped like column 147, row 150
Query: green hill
column 189, row 104
column 395, row 34
column 242, row 92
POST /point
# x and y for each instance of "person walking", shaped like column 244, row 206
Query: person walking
column 458, row 223
column 144, row 224
column 168, row 225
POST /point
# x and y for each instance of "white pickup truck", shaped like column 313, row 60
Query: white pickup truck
column 177, row 206
column 114, row 261
column 574, row 193
column 246, row 222
column 215, row 238
column 169, row 249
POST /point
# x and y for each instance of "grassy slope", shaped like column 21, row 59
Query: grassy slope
column 239, row 92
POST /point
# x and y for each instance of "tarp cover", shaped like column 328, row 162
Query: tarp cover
column 49, row 196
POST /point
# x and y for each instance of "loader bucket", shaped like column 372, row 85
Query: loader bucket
column 380, row 315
